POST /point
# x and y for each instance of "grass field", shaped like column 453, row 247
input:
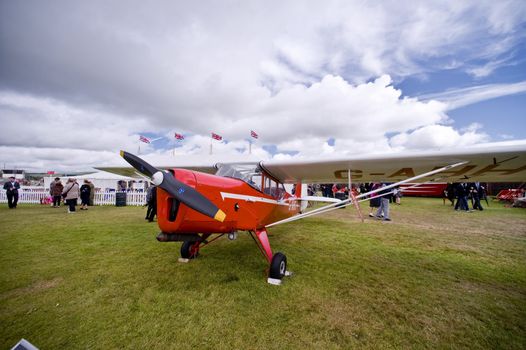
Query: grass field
column 432, row 278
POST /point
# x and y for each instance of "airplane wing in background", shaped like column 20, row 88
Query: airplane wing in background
column 485, row 164
column 502, row 164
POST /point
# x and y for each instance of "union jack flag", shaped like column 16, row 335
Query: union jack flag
column 253, row 134
column 217, row 137
column 179, row 136
column 144, row 139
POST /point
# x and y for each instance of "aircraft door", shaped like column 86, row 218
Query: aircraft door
column 273, row 188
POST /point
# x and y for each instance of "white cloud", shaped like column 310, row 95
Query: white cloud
column 462, row 97
column 57, row 159
column 298, row 121
column 437, row 137
column 88, row 78
column 43, row 122
column 489, row 67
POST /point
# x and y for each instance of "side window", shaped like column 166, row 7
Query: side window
column 269, row 186
column 255, row 180
column 281, row 191
column 273, row 188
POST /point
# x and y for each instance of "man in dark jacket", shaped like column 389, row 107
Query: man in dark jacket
column 11, row 187
column 477, row 193
column 462, row 194
column 151, row 199
column 449, row 193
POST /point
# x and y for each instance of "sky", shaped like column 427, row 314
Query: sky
column 81, row 80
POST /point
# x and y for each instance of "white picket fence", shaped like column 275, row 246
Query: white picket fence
column 40, row 195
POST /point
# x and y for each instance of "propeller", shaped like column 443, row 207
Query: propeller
column 182, row 192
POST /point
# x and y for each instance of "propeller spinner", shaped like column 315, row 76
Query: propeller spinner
column 179, row 190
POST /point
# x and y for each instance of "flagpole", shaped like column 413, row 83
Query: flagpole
column 249, row 147
column 211, row 144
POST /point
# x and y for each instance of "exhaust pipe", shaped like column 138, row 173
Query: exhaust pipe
column 165, row 237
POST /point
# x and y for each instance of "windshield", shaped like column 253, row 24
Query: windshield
column 250, row 173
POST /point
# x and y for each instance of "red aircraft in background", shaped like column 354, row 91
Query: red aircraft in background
column 193, row 205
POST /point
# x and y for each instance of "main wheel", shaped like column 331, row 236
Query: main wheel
column 278, row 266
column 190, row 250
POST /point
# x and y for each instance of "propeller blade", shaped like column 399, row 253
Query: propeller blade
column 179, row 190
column 139, row 164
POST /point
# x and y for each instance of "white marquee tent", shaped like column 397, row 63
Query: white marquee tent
column 102, row 180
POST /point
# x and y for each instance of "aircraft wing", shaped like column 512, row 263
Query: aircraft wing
column 485, row 164
column 131, row 172
column 203, row 163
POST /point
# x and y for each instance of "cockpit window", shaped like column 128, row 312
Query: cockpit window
column 273, row 188
column 250, row 173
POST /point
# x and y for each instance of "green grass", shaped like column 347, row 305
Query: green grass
column 432, row 278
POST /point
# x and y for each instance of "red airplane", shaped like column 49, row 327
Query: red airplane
column 192, row 205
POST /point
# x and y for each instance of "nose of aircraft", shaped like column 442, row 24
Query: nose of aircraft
column 179, row 190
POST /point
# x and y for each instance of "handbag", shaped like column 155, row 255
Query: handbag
column 65, row 194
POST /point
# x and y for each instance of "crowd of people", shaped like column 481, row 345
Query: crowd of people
column 71, row 192
column 460, row 194
column 378, row 202
column 68, row 195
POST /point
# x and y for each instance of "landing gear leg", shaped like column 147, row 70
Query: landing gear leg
column 278, row 261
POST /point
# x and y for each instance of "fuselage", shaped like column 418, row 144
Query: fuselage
column 247, row 207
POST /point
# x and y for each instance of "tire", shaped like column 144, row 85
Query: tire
column 278, row 266
column 188, row 251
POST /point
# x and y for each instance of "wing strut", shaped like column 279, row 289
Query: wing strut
column 382, row 195
column 352, row 197
column 325, row 208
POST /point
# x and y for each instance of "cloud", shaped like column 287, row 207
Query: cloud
column 458, row 98
column 57, row 159
column 335, row 108
column 176, row 61
column 437, row 137
column 489, row 67
column 88, row 78
column 48, row 123
column 298, row 121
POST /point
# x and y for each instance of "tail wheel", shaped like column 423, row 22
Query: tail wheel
column 278, row 266
column 190, row 250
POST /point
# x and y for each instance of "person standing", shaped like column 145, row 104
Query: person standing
column 11, row 187
column 477, row 193
column 374, row 201
column 151, row 199
column 85, row 191
column 449, row 194
column 462, row 195
column 71, row 194
column 397, row 194
column 55, row 190
column 383, row 211
column 91, row 193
